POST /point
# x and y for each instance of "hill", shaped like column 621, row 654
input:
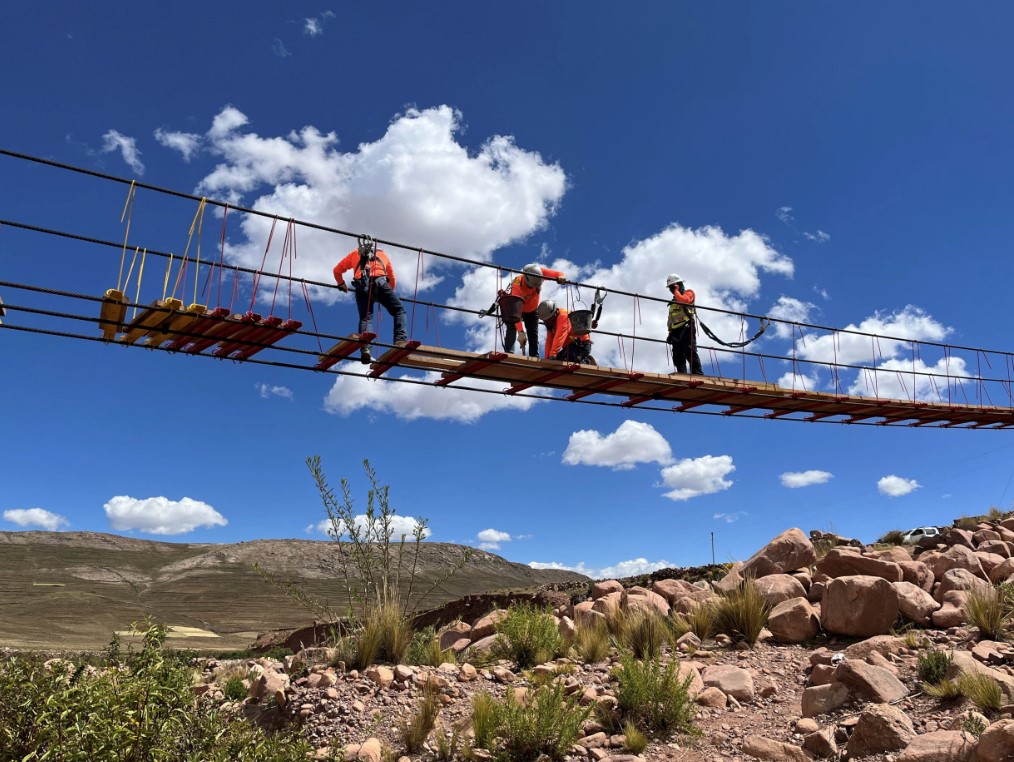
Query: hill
column 72, row 590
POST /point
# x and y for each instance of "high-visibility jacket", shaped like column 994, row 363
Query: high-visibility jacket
column 561, row 334
column 681, row 309
column 379, row 267
column 519, row 287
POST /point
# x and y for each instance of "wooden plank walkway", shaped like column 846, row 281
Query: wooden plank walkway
column 725, row 395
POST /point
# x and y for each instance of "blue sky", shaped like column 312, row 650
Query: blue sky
column 846, row 164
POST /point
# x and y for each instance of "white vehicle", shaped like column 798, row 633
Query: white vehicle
column 912, row 536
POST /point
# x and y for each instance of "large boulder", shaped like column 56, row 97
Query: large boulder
column 760, row 747
column 640, row 599
column 485, row 626
column 940, row 746
column 609, row 604
column 869, row 682
column 454, row 632
column 780, row 587
column 732, row 681
column 953, row 612
column 955, row 557
column 996, row 744
column 820, row 699
column 605, row 587
column 917, row 573
column 859, row 606
column 788, row 551
column 963, row 663
column 881, row 728
column 1003, row 571
column 958, row 579
column 839, row 562
column 915, row 603
column 794, row 621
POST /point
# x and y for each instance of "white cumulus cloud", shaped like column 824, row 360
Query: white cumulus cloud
column 490, row 539
column 632, row 443
column 693, row 477
column 630, row 568
column 414, row 401
column 267, row 391
column 36, row 517
column 115, row 141
column 187, row 143
column 160, row 515
column 797, row 479
column 902, row 379
column 896, row 486
column 400, row 525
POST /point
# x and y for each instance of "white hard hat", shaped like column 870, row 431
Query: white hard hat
column 533, row 275
column 547, row 310
column 672, row 280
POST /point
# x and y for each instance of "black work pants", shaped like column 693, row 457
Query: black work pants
column 379, row 292
column 684, row 348
column 531, row 323
column 579, row 351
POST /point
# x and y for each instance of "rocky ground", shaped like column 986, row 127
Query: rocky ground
column 834, row 676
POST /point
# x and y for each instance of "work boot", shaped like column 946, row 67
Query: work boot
column 365, row 357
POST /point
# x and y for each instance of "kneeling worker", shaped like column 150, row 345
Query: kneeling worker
column 562, row 343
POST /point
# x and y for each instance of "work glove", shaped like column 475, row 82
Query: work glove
column 522, row 339
column 343, row 287
column 561, row 280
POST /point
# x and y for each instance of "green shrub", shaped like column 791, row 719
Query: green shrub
column 385, row 635
column 416, row 729
column 234, row 689
column 743, row 613
column 547, row 722
column 893, row 537
column 634, row 740
column 983, row 691
column 591, row 641
column 484, row 719
column 643, row 633
column 700, row 620
column 988, row 609
column 945, row 690
column 967, row 522
column 449, row 743
column 143, row 709
column 653, row 697
column 932, row 667
column 424, row 650
column 528, row 636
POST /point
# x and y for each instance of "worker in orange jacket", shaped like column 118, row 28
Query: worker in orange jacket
column 528, row 286
column 682, row 328
column 562, row 342
column 373, row 281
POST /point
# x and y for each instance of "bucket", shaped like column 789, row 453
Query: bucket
column 510, row 308
column 581, row 321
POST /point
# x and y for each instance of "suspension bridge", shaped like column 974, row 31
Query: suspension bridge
column 937, row 385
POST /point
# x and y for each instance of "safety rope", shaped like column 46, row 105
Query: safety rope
column 128, row 211
column 764, row 323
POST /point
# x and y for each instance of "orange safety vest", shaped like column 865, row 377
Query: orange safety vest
column 379, row 267
column 562, row 334
column 519, row 287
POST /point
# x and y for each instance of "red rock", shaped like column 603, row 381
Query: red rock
column 859, row 606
